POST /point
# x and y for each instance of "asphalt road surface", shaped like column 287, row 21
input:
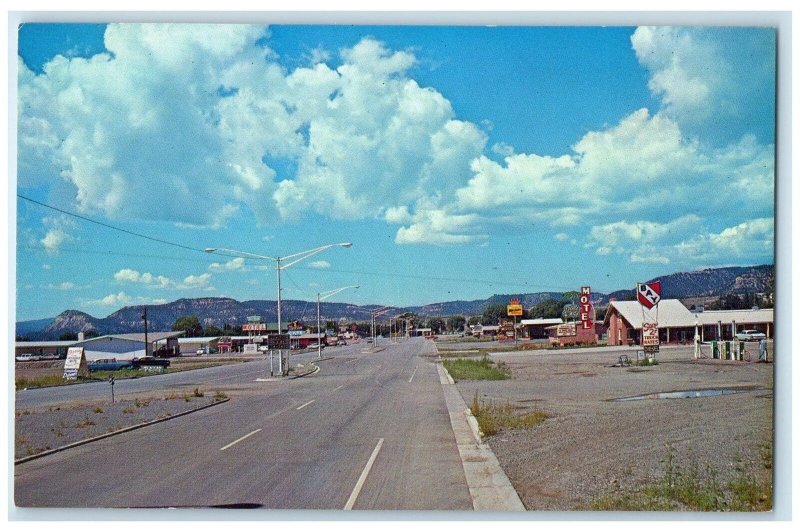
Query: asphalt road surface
column 369, row 431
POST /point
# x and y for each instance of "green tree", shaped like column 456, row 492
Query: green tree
column 91, row 333
column 436, row 325
column 549, row 308
column 493, row 314
column 212, row 330
column 67, row 336
column 456, row 323
column 190, row 324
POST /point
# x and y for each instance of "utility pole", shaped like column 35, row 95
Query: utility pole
column 146, row 343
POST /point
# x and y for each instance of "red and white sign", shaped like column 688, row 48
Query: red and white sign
column 648, row 294
column 649, row 334
column 254, row 327
column 585, row 305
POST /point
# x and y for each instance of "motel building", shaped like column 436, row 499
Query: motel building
column 677, row 324
column 537, row 328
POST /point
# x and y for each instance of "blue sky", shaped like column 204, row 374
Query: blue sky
column 460, row 161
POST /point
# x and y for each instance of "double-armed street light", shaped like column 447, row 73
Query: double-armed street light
column 280, row 263
column 375, row 313
column 320, row 297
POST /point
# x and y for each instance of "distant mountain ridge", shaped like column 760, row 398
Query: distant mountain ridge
column 217, row 311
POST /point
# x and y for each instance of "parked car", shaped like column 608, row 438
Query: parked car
column 109, row 364
column 341, row 342
column 748, row 335
column 26, row 357
column 150, row 361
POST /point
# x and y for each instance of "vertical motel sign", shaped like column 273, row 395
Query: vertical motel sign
column 585, row 305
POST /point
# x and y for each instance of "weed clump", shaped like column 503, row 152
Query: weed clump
column 480, row 369
column 693, row 488
column 495, row 417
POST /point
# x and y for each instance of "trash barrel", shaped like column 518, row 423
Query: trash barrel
column 714, row 349
column 727, row 350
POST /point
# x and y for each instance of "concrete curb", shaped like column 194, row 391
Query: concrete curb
column 116, row 432
column 315, row 370
column 292, row 377
column 489, row 487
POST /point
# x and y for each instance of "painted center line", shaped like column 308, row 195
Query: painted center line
column 240, row 439
column 412, row 375
column 357, row 489
column 306, row 404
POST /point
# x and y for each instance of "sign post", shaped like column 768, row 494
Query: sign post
column 75, row 365
column 514, row 309
column 279, row 343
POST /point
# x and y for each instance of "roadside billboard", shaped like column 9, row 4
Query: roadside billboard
column 75, row 365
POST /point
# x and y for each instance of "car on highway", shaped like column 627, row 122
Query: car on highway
column 749, row 335
column 150, row 361
column 109, row 364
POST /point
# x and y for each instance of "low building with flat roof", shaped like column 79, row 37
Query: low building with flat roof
column 44, row 348
column 537, row 328
column 130, row 346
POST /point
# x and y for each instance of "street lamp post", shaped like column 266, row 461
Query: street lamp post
column 375, row 313
column 320, row 297
column 279, row 265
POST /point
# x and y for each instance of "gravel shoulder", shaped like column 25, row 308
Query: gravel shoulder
column 41, row 430
column 592, row 446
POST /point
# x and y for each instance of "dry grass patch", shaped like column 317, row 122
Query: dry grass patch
column 495, row 417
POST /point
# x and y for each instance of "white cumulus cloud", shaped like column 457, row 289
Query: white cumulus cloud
column 127, row 275
column 53, row 239
column 319, row 264
column 232, row 265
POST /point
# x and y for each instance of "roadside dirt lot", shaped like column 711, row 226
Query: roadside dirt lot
column 593, row 446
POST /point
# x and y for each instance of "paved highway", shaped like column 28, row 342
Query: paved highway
column 369, row 431
column 218, row 377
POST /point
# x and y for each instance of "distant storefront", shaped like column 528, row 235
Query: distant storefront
column 678, row 325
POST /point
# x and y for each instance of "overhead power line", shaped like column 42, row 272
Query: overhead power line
column 108, row 226
column 522, row 285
